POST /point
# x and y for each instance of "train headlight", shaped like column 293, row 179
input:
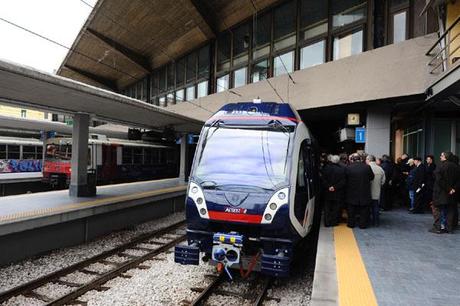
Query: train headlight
column 195, row 189
column 281, row 195
column 268, row 217
column 199, row 201
column 196, row 194
column 203, row 211
column 273, row 206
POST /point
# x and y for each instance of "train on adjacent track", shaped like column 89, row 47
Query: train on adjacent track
column 253, row 189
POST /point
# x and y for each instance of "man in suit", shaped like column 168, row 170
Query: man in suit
column 358, row 191
column 418, row 186
column 333, row 183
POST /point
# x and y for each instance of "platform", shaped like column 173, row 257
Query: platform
column 11, row 178
column 398, row 263
column 34, row 223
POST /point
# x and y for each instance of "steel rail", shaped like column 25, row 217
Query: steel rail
column 263, row 294
column 54, row 276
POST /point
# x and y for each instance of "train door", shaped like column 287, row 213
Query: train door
column 109, row 162
column 301, row 194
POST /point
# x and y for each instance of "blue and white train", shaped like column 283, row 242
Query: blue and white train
column 252, row 189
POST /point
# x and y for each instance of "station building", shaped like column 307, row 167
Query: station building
column 388, row 66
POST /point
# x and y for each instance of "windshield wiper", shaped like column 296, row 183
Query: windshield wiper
column 208, row 185
column 277, row 125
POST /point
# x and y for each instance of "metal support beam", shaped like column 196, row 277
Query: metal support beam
column 111, row 84
column 207, row 15
column 136, row 58
column 79, row 175
column 183, row 156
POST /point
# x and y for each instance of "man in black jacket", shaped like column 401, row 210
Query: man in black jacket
column 358, row 191
column 418, row 185
column 430, row 167
column 333, row 183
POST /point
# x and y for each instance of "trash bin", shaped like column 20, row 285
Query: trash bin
column 91, row 183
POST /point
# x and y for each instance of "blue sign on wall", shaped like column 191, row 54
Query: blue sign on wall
column 360, row 135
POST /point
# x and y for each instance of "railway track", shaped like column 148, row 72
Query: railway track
column 160, row 241
column 257, row 291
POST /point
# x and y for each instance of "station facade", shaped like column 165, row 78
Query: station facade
column 342, row 63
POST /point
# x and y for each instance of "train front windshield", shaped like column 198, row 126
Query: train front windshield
column 233, row 157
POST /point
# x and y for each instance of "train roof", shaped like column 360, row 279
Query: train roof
column 114, row 141
column 20, row 141
column 256, row 113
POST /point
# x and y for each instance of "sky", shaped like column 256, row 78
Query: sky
column 60, row 20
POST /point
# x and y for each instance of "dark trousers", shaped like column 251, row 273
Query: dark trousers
column 387, row 197
column 449, row 212
column 375, row 212
column 363, row 212
column 419, row 202
column 331, row 212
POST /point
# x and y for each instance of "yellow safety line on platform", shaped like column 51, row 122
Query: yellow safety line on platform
column 111, row 200
column 355, row 288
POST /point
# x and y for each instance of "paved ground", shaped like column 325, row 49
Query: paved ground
column 408, row 265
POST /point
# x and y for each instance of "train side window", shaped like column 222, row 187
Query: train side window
column 2, row 151
column 127, row 155
column 13, row 152
column 39, row 152
column 302, row 191
column 138, row 156
column 28, row 152
column 147, row 156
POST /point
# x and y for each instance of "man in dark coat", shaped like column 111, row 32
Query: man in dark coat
column 333, row 183
column 358, row 191
column 418, row 186
column 386, row 198
column 430, row 167
column 444, row 194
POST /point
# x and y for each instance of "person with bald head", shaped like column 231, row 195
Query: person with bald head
column 333, row 184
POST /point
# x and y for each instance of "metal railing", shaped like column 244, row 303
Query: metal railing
column 442, row 57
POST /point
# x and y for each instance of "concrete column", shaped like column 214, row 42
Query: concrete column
column 44, row 138
column 378, row 130
column 79, row 175
column 183, row 156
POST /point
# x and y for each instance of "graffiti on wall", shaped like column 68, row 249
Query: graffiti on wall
column 20, row 165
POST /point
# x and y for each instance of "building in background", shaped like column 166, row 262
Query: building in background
column 344, row 64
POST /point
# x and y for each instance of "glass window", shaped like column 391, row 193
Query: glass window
column 223, row 83
column 348, row 45
column 203, row 62
column 162, row 79
column 312, row 55
column 262, row 35
column 147, row 156
column 260, row 71
column 170, row 99
column 284, row 25
column 283, row 63
column 180, row 95
column 190, row 94
column 239, row 77
column 191, row 67
column 347, row 11
column 13, row 152
column 398, row 3
column 171, row 78
column 399, row 27
column 2, row 151
column 442, row 137
column 313, row 18
column 137, row 156
column 223, row 51
column 180, row 72
column 39, row 152
column 241, row 40
column 28, row 152
column 162, row 101
column 202, row 89
column 154, row 84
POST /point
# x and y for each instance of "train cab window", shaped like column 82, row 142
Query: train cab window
column 301, row 195
column 28, row 152
column 2, row 151
column 13, row 152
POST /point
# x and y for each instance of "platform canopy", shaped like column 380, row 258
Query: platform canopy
column 130, row 38
column 25, row 86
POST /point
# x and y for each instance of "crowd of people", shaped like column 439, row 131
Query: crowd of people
column 364, row 185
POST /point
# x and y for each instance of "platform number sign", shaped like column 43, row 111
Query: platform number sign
column 360, row 135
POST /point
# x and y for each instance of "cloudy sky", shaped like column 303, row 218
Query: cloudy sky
column 60, row 20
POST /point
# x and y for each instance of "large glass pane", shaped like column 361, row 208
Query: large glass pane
column 162, row 79
column 313, row 18
column 442, row 130
column 347, row 11
column 283, row 64
column 399, row 27
column 412, row 140
column 191, row 67
column 180, row 95
column 312, row 55
column 190, row 94
column 239, row 77
column 262, row 35
column 284, row 20
column 13, row 152
column 203, row 62
column 202, row 89
column 223, row 83
column 2, row 151
column 28, row 152
column 162, row 101
column 154, row 84
column 171, row 78
column 170, row 99
column 260, row 71
column 398, row 3
column 223, row 51
column 348, row 45
column 241, row 39
column 180, row 72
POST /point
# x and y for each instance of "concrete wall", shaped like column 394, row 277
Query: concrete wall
column 391, row 71
column 378, row 129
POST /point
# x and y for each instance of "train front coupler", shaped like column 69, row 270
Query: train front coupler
column 226, row 251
